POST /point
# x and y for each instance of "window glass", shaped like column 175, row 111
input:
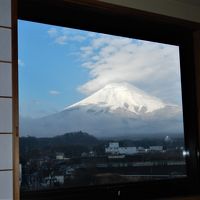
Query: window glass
column 97, row 109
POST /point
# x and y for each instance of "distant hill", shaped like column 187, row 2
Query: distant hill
column 73, row 138
column 70, row 143
column 76, row 138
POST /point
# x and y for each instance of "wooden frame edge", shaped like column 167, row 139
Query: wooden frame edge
column 196, row 44
column 16, row 170
column 97, row 4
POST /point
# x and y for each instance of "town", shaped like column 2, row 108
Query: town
column 115, row 162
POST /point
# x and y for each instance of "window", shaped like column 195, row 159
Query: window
column 174, row 37
column 97, row 109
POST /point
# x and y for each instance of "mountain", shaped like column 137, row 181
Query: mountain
column 70, row 143
column 73, row 138
column 115, row 110
column 123, row 96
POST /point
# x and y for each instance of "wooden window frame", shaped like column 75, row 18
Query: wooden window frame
column 101, row 17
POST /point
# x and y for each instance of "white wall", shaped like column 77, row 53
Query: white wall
column 183, row 9
column 6, row 137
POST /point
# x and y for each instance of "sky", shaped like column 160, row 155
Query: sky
column 60, row 66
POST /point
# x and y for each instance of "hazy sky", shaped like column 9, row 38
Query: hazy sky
column 60, row 66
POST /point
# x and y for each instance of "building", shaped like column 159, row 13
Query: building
column 60, row 179
column 114, row 148
column 56, row 178
column 142, row 150
column 156, row 148
column 60, row 156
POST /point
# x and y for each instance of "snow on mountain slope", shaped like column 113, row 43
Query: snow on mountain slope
column 115, row 110
column 124, row 96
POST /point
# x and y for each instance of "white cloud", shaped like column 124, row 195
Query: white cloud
column 61, row 39
column 63, row 35
column 92, row 34
column 20, row 63
column 78, row 38
column 54, row 92
column 153, row 67
column 52, row 32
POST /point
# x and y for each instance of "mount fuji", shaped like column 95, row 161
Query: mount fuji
column 116, row 110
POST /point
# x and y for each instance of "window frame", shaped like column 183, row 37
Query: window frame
column 89, row 15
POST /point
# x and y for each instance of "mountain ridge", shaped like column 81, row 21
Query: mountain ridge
column 115, row 110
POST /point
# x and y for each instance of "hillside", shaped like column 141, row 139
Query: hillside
column 73, row 143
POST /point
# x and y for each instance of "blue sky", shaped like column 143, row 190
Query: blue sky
column 48, row 72
column 60, row 66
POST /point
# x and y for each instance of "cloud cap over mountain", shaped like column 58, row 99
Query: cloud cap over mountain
column 153, row 67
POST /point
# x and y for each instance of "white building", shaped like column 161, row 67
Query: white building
column 127, row 150
column 142, row 150
column 114, row 148
column 156, row 148
column 60, row 156
column 57, row 178
column 60, row 179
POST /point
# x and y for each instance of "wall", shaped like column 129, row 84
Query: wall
column 6, row 158
column 183, row 9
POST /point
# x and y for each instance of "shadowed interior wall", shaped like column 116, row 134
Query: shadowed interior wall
column 182, row 9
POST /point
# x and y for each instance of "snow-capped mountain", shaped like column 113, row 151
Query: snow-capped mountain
column 123, row 96
column 115, row 110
